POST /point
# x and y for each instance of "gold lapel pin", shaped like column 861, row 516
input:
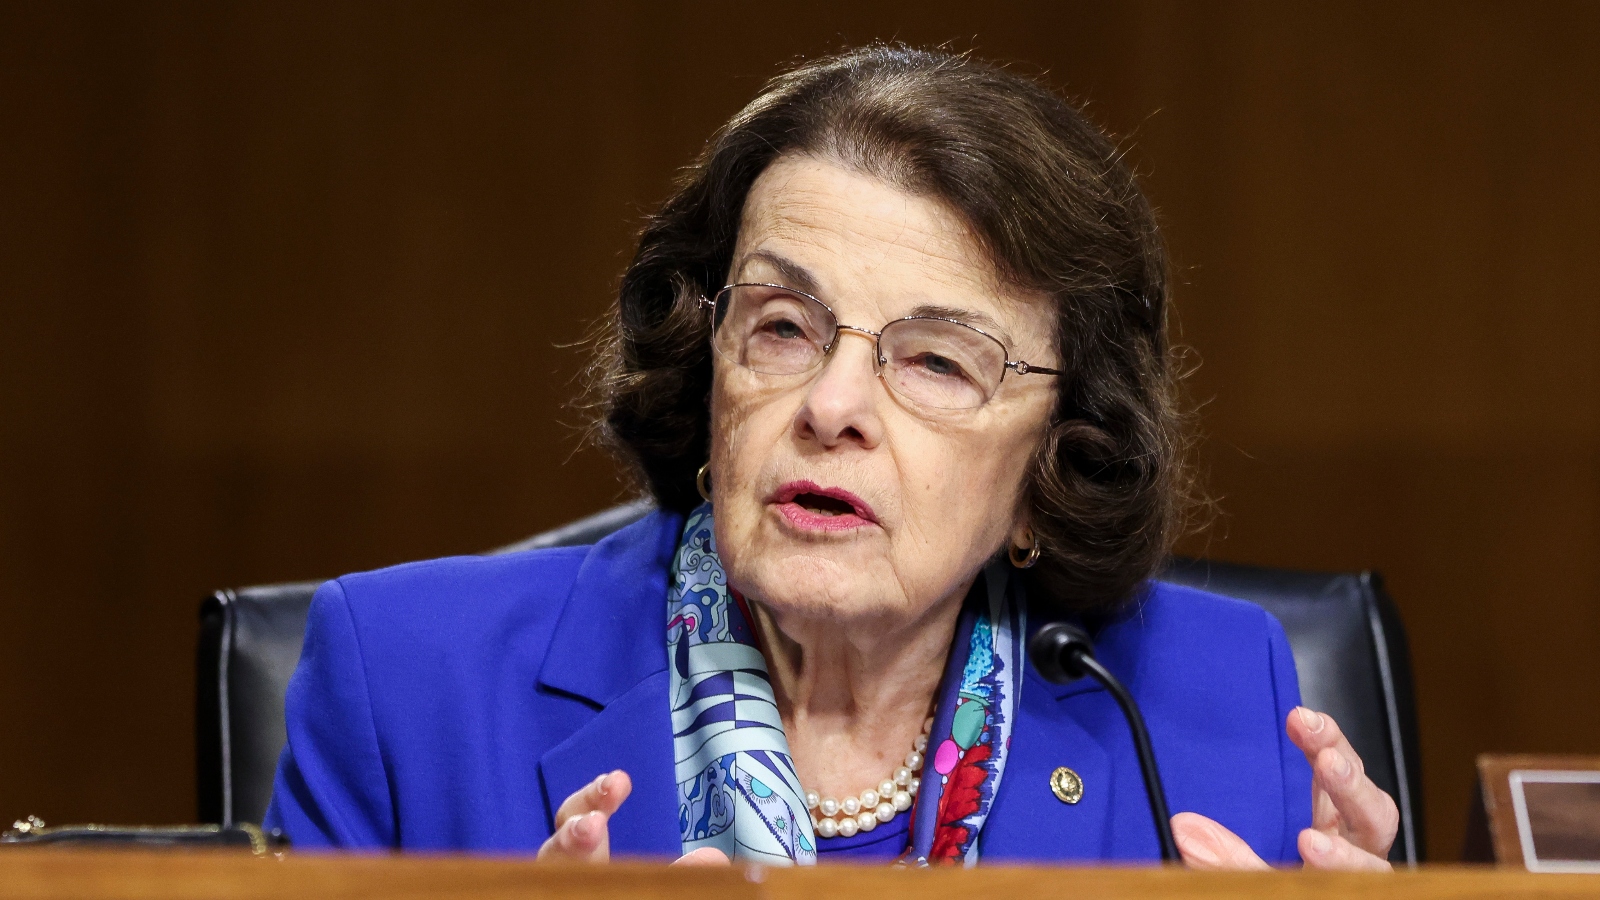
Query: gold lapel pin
column 1066, row 785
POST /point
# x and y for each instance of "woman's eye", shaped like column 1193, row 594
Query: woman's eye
column 940, row 366
column 786, row 329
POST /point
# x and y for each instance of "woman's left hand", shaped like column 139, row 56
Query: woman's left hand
column 1353, row 822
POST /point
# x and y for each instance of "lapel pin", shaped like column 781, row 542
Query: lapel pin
column 1066, row 785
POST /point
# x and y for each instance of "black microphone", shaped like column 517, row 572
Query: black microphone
column 1063, row 653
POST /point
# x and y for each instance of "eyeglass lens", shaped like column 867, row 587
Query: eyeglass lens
column 931, row 362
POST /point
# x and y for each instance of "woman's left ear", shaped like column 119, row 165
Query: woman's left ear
column 1023, row 546
column 1021, row 534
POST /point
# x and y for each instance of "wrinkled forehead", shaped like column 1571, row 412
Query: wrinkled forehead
column 874, row 252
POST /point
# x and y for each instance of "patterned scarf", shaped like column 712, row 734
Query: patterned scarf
column 737, row 787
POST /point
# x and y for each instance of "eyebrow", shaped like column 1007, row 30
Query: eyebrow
column 794, row 274
column 978, row 320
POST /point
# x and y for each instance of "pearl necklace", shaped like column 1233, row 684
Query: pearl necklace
column 830, row 817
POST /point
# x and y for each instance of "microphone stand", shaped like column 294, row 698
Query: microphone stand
column 1063, row 653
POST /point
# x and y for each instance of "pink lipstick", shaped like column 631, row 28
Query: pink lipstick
column 810, row 507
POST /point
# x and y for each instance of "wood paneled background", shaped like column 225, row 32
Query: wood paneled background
column 286, row 289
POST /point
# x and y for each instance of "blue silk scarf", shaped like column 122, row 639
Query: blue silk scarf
column 738, row 790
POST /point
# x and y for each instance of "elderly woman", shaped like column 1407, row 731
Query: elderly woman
column 892, row 363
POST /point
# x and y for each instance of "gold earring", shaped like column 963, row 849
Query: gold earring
column 702, row 481
column 1025, row 560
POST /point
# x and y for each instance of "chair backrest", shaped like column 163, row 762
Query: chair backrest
column 1344, row 632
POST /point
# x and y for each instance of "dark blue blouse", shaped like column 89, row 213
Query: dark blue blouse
column 885, row 843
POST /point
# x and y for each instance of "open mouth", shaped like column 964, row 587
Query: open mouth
column 810, row 506
column 824, row 505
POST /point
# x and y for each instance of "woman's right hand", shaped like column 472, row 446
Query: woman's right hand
column 582, row 834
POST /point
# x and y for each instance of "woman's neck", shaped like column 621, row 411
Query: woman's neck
column 854, row 694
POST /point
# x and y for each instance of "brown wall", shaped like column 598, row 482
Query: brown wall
column 281, row 289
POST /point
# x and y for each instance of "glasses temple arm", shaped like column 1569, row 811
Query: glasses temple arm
column 1021, row 367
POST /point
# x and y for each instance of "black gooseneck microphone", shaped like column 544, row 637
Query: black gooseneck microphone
column 1064, row 653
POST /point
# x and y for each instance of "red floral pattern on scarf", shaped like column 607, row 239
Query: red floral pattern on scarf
column 960, row 799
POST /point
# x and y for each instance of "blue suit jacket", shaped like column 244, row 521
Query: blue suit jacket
column 453, row 704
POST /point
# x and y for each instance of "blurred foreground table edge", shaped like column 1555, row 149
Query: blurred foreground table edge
column 91, row 874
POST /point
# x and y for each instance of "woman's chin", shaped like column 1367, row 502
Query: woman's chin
column 817, row 588
column 835, row 574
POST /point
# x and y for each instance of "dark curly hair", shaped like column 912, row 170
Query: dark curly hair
column 1047, row 196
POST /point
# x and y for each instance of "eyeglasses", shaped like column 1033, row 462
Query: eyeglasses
column 931, row 361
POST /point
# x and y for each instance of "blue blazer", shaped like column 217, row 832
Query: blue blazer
column 453, row 704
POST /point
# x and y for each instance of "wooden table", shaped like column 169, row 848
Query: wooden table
column 126, row 875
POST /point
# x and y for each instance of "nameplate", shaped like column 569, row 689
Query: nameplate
column 1542, row 812
column 1558, row 819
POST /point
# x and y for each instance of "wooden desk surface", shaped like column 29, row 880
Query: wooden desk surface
column 126, row 875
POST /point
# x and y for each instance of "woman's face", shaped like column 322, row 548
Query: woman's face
column 835, row 498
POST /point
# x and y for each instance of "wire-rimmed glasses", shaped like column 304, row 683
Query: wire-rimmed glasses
column 931, row 361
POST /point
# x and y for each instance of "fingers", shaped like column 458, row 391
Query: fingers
column 1366, row 815
column 1314, row 732
column 582, row 823
column 1207, row 845
column 1325, row 851
column 1345, row 802
column 705, row 856
column 582, row 838
column 604, row 794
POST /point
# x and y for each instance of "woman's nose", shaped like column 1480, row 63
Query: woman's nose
column 841, row 405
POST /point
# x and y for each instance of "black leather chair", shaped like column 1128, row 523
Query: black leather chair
column 1344, row 631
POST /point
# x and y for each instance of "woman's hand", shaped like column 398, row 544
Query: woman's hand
column 582, row 834
column 1353, row 822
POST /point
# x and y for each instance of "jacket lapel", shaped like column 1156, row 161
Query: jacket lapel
column 1028, row 821
column 1079, row 726
column 633, row 733
column 604, row 653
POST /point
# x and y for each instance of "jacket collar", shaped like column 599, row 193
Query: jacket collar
column 602, row 648
column 1117, row 641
